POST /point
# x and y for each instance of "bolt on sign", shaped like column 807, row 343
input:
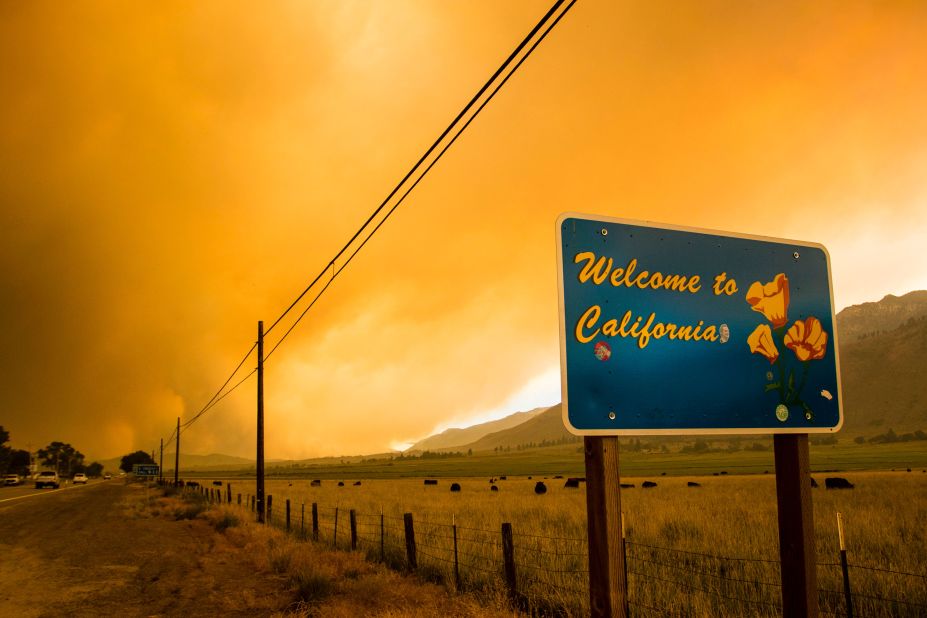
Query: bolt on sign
column 673, row 330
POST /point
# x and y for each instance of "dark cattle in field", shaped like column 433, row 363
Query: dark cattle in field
column 431, row 481
column 648, row 484
column 491, row 481
column 503, row 477
column 529, row 478
column 837, row 482
column 558, row 477
column 814, row 483
column 192, row 484
column 219, row 483
column 693, row 484
column 356, row 483
column 340, row 483
column 574, row 482
column 315, row 483
column 493, row 488
column 540, row 488
column 455, row 486
column 626, row 485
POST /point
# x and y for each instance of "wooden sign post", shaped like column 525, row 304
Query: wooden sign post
column 796, row 525
column 608, row 586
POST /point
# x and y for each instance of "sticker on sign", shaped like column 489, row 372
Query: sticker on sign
column 673, row 330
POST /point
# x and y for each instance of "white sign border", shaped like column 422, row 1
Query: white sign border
column 564, row 399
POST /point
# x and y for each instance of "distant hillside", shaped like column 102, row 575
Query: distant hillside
column 860, row 321
column 455, row 438
column 545, row 428
column 189, row 462
column 885, row 379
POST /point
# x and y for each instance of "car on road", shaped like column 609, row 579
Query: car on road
column 107, row 476
column 12, row 479
column 80, row 477
column 47, row 478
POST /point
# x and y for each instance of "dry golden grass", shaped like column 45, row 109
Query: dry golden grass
column 730, row 517
column 325, row 582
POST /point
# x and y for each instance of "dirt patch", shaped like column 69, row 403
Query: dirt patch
column 122, row 550
column 104, row 552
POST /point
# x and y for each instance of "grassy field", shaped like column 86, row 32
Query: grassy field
column 709, row 551
column 568, row 460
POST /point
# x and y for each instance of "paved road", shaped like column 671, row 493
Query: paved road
column 9, row 493
column 94, row 551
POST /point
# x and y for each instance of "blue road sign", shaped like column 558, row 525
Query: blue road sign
column 672, row 330
column 145, row 469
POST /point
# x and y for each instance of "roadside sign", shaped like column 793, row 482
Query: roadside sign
column 673, row 330
column 145, row 469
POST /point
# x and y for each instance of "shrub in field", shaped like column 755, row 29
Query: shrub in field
column 192, row 506
column 222, row 519
column 310, row 585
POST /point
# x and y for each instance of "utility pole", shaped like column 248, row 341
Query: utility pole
column 260, row 423
column 161, row 464
column 177, row 456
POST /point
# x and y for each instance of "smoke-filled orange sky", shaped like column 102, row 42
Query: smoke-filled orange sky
column 173, row 172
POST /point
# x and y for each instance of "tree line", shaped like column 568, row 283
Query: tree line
column 59, row 456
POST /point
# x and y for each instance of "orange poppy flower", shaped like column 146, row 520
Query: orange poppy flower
column 761, row 342
column 772, row 299
column 807, row 339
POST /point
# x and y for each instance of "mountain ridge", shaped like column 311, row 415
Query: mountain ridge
column 463, row 436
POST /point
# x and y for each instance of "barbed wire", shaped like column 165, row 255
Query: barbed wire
column 708, row 573
column 703, row 590
column 884, row 570
column 695, row 553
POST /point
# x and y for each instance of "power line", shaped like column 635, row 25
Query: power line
column 219, row 395
column 184, row 426
column 215, row 398
column 421, row 160
column 399, row 202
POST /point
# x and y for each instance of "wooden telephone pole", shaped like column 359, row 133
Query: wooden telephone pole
column 260, row 423
column 177, row 456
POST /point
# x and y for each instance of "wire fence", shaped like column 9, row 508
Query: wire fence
column 549, row 575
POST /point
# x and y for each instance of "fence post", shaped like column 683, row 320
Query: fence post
column 239, row 499
column 252, row 503
column 508, row 561
column 315, row 521
column 410, row 541
column 302, row 519
column 228, row 488
column 287, row 514
column 335, row 535
column 382, row 538
column 456, row 563
column 270, row 502
column 845, row 567
column 353, row 530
